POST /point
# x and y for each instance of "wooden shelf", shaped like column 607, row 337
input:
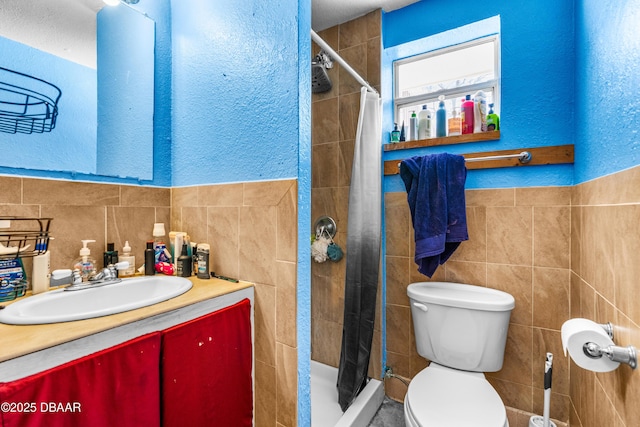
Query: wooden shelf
column 445, row 140
column 553, row 155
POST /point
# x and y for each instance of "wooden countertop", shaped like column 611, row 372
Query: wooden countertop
column 18, row 340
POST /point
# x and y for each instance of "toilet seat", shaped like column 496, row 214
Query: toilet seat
column 439, row 396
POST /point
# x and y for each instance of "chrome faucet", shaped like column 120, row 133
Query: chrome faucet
column 106, row 276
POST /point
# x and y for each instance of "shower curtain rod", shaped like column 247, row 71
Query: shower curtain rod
column 332, row 53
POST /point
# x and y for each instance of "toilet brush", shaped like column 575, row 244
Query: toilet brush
column 543, row 421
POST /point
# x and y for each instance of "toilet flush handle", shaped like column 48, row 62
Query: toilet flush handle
column 420, row 306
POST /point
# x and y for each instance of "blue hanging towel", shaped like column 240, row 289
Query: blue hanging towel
column 435, row 192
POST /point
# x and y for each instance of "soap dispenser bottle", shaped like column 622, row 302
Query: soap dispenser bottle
column 131, row 259
column 85, row 263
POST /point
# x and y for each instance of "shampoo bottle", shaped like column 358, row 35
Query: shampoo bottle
column 424, row 123
column 493, row 121
column 466, row 115
column 441, row 119
column 479, row 112
column 413, row 127
column 131, row 259
column 85, row 263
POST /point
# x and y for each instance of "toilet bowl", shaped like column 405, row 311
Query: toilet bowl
column 462, row 330
column 445, row 397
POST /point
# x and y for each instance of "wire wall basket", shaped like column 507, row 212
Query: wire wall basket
column 23, row 237
column 27, row 104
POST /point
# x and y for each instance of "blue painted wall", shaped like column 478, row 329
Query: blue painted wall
column 608, row 87
column 76, row 122
column 538, row 90
column 235, row 91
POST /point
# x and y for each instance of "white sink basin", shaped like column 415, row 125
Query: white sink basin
column 64, row 306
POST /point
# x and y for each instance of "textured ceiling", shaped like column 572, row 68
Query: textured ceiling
column 327, row 13
column 67, row 28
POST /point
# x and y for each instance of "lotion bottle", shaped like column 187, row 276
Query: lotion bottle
column 424, row 123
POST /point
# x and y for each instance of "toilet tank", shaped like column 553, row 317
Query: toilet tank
column 460, row 326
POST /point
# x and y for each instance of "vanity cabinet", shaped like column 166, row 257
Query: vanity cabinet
column 192, row 366
column 206, row 370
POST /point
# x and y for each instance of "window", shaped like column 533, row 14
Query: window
column 452, row 72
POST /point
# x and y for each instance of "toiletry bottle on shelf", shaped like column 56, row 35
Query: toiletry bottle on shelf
column 85, row 263
column 455, row 124
column 41, row 273
column 110, row 256
column 149, row 259
column 413, row 126
column 424, row 123
column 395, row 134
column 441, row 119
column 479, row 112
column 184, row 262
column 131, row 259
column 203, row 261
column 402, row 134
column 162, row 254
column 466, row 115
column 493, row 121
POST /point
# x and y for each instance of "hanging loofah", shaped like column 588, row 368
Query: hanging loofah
column 334, row 252
column 319, row 249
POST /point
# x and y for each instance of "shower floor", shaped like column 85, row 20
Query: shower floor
column 325, row 410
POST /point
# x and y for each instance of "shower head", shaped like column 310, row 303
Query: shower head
column 320, row 81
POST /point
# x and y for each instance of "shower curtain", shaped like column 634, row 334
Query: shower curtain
column 362, row 251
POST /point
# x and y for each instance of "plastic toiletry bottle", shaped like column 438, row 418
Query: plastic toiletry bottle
column 493, row 121
column 455, row 124
column 402, row 134
column 413, row 127
column 441, row 119
column 466, row 115
column 395, row 134
column 131, row 259
column 85, row 263
column 203, row 261
column 424, row 123
column 479, row 112
column 41, row 273
column 149, row 259
column 162, row 254
column 184, row 262
column 110, row 256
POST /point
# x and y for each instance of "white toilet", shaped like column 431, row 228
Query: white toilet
column 462, row 330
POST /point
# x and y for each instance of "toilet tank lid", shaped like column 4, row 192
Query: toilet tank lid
column 461, row 296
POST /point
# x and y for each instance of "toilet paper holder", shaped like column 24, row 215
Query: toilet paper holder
column 615, row 353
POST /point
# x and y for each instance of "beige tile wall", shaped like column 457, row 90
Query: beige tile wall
column 334, row 121
column 103, row 212
column 519, row 242
column 605, row 263
column 252, row 229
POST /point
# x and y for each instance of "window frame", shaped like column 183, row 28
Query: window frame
column 401, row 102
